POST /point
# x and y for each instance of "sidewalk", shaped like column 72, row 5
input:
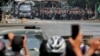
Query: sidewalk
column 30, row 21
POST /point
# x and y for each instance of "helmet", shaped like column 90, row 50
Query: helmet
column 56, row 44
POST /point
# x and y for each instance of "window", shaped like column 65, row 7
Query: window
column 25, row 7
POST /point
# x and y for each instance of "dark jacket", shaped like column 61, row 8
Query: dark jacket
column 17, row 43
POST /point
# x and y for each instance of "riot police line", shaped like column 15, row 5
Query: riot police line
column 62, row 14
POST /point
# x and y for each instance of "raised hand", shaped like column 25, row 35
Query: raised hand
column 76, row 44
column 94, row 45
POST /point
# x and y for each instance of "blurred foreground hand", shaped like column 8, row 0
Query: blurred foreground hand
column 76, row 44
column 94, row 45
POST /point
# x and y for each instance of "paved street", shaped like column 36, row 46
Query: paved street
column 58, row 27
column 65, row 30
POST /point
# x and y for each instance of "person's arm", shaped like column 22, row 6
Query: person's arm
column 10, row 38
column 94, row 43
column 25, row 47
column 78, row 51
column 76, row 47
column 76, row 44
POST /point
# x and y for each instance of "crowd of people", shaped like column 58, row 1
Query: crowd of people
column 67, row 14
column 63, row 14
column 50, row 8
column 78, row 14
column 54, row 46
column 57, row 46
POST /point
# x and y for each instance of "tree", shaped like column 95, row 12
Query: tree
column 77, row 3
column 83, row 3
column 1, row 3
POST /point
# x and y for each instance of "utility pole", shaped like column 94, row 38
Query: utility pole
column 86, row 4
column 95, row 12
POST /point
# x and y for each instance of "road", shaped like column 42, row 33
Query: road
column 58, row 27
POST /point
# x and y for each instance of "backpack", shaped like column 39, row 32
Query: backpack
column 17, row 43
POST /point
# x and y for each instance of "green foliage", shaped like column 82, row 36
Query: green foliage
column 77, row 3
column 98, row 9
column 1, row 0
column 83, row 3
